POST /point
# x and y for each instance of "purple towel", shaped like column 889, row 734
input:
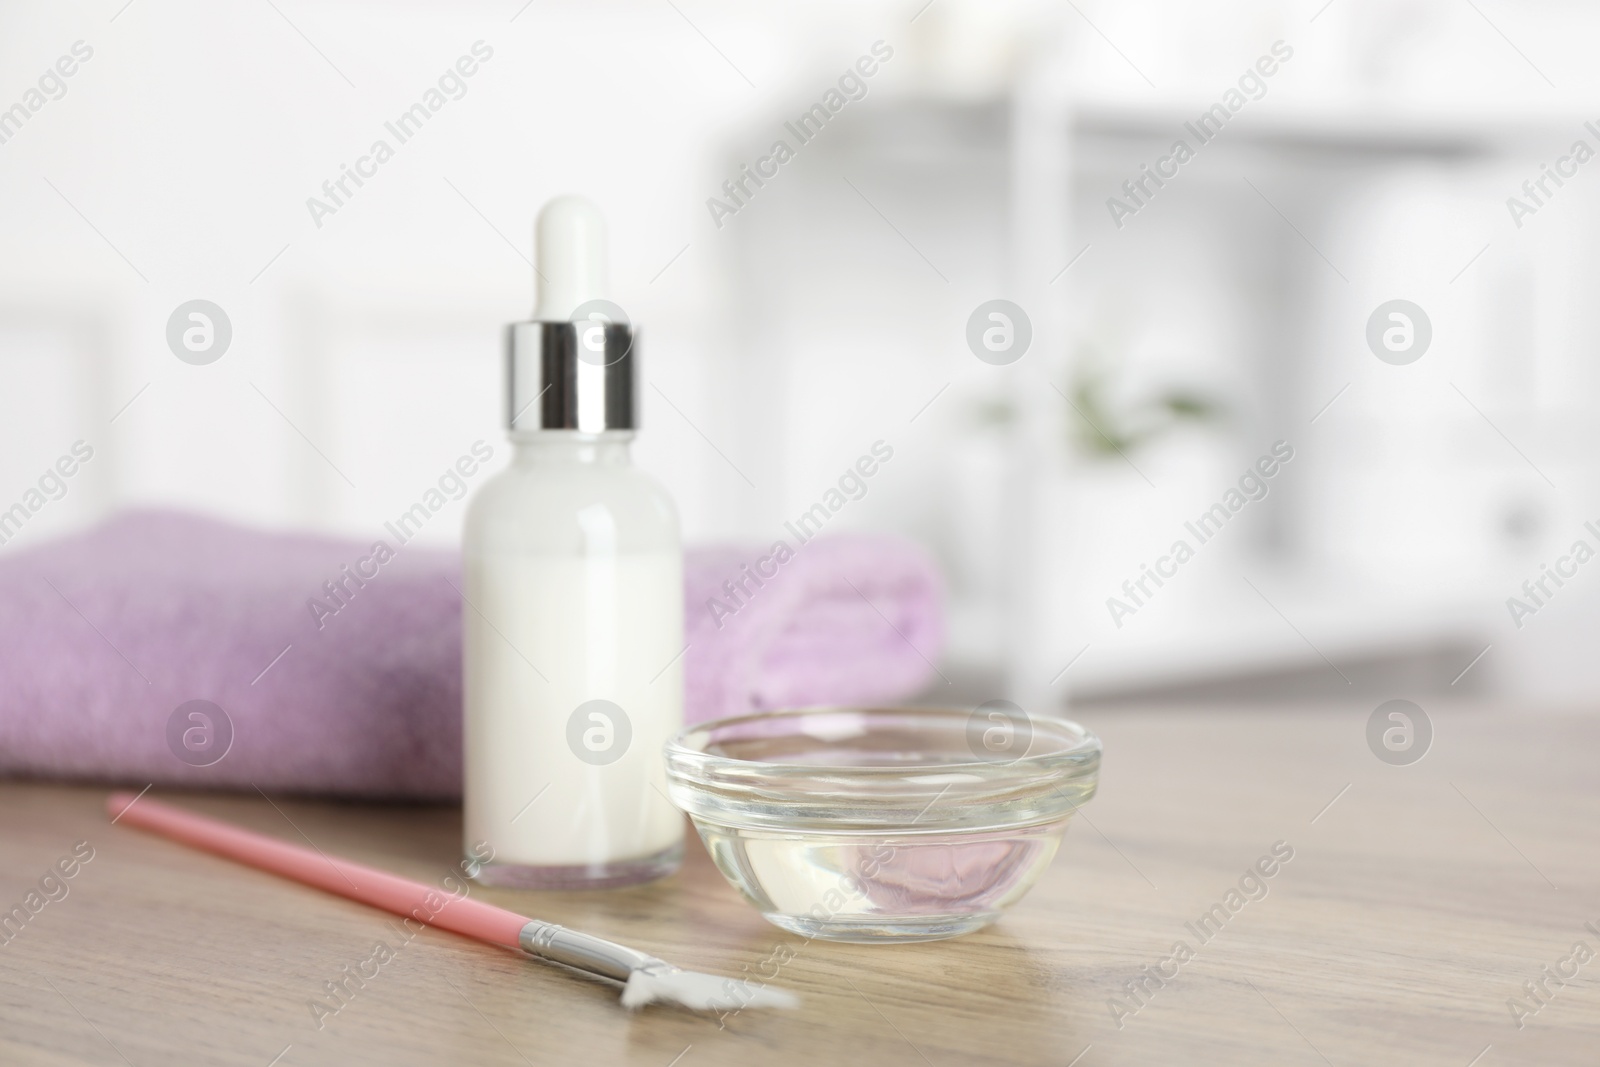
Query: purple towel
column 106, row 635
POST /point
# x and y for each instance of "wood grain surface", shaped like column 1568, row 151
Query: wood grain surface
column 1416, row 905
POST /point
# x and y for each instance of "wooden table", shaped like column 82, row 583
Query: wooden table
column 1418, row 900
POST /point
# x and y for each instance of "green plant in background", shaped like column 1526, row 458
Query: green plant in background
column 1100, row 428
column 994, row 412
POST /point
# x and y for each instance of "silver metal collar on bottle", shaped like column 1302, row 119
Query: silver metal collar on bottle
column 570, row 376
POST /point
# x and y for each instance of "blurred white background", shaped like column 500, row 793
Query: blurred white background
column 831, row 310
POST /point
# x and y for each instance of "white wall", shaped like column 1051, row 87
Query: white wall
column 779, row 346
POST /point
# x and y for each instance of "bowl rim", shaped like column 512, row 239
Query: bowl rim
column 969, row 795
column 1087, row 741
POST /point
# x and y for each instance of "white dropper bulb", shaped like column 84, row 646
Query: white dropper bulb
column 570, row 240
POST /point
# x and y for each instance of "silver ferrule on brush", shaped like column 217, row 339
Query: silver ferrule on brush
column 570, row 376
column 646, row 979
column 586, row 952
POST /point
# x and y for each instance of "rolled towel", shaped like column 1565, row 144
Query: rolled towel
column 848, row 619
column 105, row 635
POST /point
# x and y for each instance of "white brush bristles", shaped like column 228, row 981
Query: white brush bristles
column 701, row 992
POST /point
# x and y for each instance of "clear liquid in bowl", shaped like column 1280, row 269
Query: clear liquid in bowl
column 870, row 887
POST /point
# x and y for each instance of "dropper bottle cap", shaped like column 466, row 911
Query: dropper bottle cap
column 571, row 366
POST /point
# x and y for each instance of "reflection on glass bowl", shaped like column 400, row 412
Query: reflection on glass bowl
column 878, row 824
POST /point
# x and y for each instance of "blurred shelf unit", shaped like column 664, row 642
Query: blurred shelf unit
column 1251, row 278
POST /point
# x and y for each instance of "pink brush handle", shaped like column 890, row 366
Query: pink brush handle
column 401, row 896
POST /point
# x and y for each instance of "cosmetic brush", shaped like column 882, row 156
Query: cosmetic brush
column 646, row 979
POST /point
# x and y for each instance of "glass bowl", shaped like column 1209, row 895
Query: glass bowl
column 880, row 824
